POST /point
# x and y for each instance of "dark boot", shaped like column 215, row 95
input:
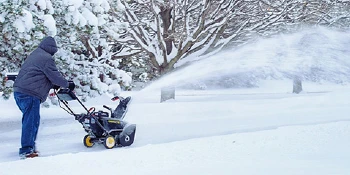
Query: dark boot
column 29, row 155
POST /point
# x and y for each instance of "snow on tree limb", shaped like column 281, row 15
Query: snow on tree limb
column 158, row 34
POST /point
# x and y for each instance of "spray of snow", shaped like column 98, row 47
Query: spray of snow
column 318, row 55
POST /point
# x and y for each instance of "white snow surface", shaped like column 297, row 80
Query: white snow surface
column 266, row 130
column 50, row 23
column 25, row 22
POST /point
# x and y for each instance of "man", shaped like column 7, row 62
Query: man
column 38, row 74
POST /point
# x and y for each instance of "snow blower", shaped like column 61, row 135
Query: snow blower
column 101, row 127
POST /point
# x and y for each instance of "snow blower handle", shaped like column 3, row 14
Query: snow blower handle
column 66, row 94
column 107, row 107
column 110, row 109
column 91, row 110
column 115, row 98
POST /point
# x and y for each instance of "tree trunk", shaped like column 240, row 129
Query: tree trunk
column 167, row 93
column 165, row 14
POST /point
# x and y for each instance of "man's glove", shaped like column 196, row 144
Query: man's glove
column 55, row 87
column 71, row 85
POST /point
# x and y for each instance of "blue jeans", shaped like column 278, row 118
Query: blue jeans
column 30, row 107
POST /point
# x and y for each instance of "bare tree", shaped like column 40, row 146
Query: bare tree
column 168, row 31
column 328, row 13
column 171, row 30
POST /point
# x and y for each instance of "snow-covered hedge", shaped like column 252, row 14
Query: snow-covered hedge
column 84, row 54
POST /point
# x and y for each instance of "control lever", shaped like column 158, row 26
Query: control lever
column 110, row 109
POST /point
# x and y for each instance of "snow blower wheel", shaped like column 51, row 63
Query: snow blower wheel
column 88, row 141
column 109, row 143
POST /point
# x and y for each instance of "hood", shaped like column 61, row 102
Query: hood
column 49, row 45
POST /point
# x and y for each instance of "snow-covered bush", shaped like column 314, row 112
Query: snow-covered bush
column 84, row 54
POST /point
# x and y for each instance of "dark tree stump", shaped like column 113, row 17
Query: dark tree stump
column 297, row 85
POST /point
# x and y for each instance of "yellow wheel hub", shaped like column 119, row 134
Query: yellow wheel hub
column 109, row 142
column 88, row 141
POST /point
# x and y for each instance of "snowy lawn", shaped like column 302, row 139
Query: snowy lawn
column 244, row 131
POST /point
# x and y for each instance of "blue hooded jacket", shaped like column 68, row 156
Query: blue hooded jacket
column 39, row 73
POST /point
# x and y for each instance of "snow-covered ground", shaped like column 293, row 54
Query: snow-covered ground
column 250, row 131
column 266, row 130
